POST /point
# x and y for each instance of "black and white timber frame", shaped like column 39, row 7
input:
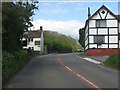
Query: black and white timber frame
column 109, row 30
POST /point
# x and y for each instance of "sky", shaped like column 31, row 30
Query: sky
column 67, row 16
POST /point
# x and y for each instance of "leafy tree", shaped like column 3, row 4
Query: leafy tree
column 57, row 42
column 82, row 37
column 16, row 19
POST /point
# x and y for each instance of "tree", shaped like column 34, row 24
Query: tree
column 16, row 19
column 82, row 37
column 57, row 42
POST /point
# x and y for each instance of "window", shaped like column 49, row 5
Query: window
column 37, row 42
column 101, row 23
column 99, row 39
column 24, row 43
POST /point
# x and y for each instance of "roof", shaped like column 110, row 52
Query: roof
column 103, row 7
column 32, row 34
column 118, row 17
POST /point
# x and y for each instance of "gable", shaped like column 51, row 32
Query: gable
column 103, row 13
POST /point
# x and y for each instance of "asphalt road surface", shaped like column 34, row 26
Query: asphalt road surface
column 63, row 71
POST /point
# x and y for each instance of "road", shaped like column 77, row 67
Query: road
column 63, row 71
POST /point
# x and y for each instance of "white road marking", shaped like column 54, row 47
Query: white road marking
column 87, row 81
column 90, row 60
column 68, row 68
column 81, row 77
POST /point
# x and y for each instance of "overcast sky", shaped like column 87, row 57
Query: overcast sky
column 67, row 17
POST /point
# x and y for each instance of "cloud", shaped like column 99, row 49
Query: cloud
column 69, row 27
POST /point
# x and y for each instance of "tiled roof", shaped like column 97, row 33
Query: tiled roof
column 32, row 34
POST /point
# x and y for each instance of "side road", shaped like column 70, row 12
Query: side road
column 107, row 61
column 96, row 58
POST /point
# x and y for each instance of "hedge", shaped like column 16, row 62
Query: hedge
column 12, row 62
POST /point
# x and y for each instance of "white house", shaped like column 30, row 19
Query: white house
column 102, row 32
column 34, row 40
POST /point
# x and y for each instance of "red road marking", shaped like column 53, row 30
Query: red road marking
column 78, row 75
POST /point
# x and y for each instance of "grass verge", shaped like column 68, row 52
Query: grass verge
column 113, row 61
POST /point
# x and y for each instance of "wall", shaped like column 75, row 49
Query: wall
column 37, row 47
column 101, row 52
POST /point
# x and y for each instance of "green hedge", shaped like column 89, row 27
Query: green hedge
column 113, row 61
column 12, row 62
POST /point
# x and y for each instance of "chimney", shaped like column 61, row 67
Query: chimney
column 89, row 12
column 42, row 40
column 41, row 28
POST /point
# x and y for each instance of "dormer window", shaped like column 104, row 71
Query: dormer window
column 101, row 23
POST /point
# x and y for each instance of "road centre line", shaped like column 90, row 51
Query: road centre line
column 68, row 68
column 78, row 75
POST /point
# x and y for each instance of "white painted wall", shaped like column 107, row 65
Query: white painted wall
column 104, row 45
column 113, row 39
column 102, row 31
column 86, row 47
column 42, row 42
column 113, row 30
column 109, row 16
column 106, row 39
column 37, row 47
column 112, row 23
column 92, row 45
column 32, row 44
column 93, row 31
column 97, row 16
column 86, row 27
column 86, row 42
column 113, row 45
column 103, row 15
column 86, row 35
column 91, row 39
column 119, row 27
column 92, row 23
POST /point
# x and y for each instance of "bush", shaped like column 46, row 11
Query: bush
column 113, row 61
column 12, row 62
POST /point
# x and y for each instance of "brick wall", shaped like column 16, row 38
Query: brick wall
column 102, row 52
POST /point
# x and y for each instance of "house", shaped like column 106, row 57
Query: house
column 33, row 40
column 102, row 32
